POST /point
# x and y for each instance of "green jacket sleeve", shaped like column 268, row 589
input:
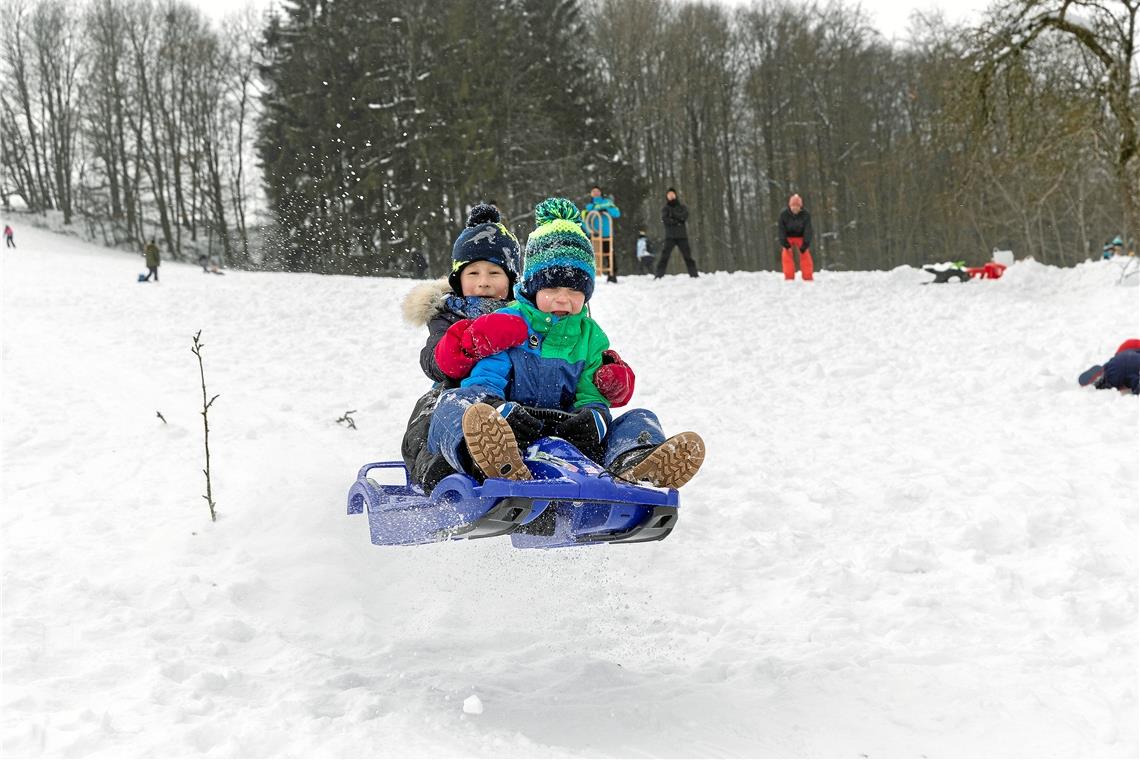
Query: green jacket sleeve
column 587, row 394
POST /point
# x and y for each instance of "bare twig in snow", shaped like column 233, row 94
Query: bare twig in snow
column 209, row 496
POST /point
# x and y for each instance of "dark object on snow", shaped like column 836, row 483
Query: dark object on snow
column 570, row 501
column 947, row 272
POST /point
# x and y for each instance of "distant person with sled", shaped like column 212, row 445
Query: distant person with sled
column 644, row 253
column 463, row 328
column 9, row 241
column 602, row 224
column 1121, row 372
column 674, row 215
column 152, row 260
column 483, row 427
column 796, row 234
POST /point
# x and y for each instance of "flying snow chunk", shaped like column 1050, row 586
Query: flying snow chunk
column 473, row 705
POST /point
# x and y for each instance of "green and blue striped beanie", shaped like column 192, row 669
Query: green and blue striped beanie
column 558, row 253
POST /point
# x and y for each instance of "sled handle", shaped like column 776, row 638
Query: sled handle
column 385, row 465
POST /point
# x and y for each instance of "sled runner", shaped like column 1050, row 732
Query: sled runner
column 570, row 501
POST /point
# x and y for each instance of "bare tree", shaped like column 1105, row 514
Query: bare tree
column 1106, row 33
column 58, row 53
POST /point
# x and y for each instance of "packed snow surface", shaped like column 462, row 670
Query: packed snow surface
column 914, row 533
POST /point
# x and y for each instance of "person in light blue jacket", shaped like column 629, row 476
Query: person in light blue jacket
column 602, row 224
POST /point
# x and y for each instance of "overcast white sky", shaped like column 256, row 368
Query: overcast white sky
column 891, row 17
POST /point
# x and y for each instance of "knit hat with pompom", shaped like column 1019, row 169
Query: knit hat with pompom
column 558, row 253
column 484, row 238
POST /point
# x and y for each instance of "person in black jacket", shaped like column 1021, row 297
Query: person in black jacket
column 674, row 214
column 795, row 231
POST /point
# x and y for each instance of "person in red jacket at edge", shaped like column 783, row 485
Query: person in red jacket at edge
column 795, row 230
column 462, row 329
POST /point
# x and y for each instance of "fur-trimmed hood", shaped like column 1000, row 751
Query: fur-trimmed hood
column 425, row 301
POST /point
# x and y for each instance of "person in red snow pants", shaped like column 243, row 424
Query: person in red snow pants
column 795, row 232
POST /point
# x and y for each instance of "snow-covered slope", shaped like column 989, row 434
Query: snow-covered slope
column 914, row 534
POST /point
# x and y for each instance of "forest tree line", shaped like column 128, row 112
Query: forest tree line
column 376, row 125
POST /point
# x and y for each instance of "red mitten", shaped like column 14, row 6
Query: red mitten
column 615, row 379
column 452, row 360
column 492, row 333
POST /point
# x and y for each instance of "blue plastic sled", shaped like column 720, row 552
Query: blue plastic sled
column 570, row 501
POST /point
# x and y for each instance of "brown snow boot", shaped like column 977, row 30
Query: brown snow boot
column 670, row 465
column 492, row 443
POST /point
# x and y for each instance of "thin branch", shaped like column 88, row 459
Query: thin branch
column 209, row 495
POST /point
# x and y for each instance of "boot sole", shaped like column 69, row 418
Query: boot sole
column 670, row 465
column 1091, row 376
column 492, row 444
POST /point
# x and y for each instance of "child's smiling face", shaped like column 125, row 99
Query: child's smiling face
column 560, row 301
column 484, row 279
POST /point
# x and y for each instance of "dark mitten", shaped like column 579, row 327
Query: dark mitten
column 452, row 360
column 492, row 333
column 614, row 379
column 586, row 430
column 525, row 426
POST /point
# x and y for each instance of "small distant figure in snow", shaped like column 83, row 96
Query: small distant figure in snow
column 1114, row 247
column 674, row 215
column 644, row 253
column 208, row 266
column 602, row 224
column 1121, row 372
column 795, row 234
column 9, row 241
column 152, row 260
